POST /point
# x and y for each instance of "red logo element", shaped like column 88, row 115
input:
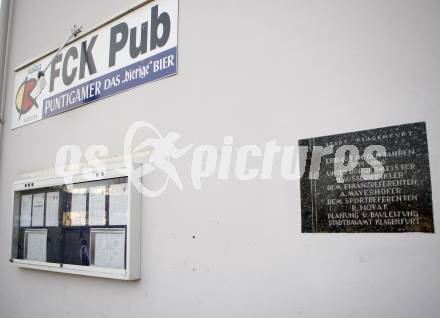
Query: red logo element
column 23, row 100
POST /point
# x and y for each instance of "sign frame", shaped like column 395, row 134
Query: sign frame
column 85, row 72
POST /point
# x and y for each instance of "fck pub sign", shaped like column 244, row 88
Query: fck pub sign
column 138, row 47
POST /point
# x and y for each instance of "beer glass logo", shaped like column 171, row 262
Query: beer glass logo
column 24, row 101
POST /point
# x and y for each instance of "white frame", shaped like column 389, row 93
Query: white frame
column 133, row 246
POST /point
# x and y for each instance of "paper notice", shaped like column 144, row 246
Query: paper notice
column 97, row 205
column 118, row 205
column 52, row 208
column 38, row 209
column 109, row 249
column 36, row 241
column 26, row 210
column 78, row 207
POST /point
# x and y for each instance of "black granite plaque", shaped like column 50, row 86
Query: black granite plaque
column 383, row 186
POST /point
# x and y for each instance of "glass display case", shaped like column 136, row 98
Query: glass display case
column 86, row 227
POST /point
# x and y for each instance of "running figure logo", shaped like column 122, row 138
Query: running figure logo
column 163, row 150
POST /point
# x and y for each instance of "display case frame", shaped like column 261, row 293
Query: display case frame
column 132, row 269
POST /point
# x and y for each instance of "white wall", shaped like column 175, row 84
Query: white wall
column 257, row 70
column 4, row 19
